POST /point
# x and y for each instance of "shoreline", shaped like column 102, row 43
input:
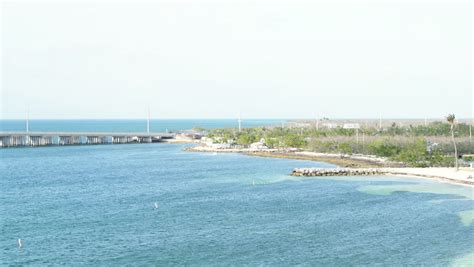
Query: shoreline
column 440, row 174
column 345, row 161
column 341, row 160
column 447, row 175
column 435, row 178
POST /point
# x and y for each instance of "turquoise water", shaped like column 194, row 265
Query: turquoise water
column 95, row 205
column 129, row 125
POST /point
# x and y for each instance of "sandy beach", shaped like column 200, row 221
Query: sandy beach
column 462, row 176
column 343, row 160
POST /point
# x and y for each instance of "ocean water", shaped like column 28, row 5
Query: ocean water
column 95, row 205
column 129, row 125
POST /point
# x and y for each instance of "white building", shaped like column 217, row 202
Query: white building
column 330, row 125
column 259, row 145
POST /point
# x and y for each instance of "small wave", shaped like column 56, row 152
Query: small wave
column 464, row 261
column 466, row 217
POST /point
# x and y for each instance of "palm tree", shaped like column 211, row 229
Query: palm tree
column 452, row 120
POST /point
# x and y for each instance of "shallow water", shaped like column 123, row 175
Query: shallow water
column 94, row 205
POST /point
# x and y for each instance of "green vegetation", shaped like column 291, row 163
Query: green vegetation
column 468, row 157
column 384, row 148
column 418, row 146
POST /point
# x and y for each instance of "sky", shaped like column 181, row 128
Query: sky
column 216, row 59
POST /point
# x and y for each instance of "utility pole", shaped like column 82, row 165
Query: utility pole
column 240, row 122
column 27, row 138
column 363, row 138
column 357, row 135
column 148, row 121
column 380, row 122
column 470, row 133
column 27, row 120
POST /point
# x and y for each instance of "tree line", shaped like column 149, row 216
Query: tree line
column 434, row 144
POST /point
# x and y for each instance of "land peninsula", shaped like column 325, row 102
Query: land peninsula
column 410, row 148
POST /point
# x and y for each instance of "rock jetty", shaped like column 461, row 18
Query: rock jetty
column 464, row 176
column 336, row 172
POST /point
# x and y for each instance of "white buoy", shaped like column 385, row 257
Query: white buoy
column 156, row 205
column 19, row 243
column 253, row 182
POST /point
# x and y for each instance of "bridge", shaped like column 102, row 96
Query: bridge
column 19, row 139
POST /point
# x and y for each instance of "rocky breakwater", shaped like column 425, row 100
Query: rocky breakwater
column 335, row 172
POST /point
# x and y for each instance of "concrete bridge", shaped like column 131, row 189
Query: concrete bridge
column 18, row 139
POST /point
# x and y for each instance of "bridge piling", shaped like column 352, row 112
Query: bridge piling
column 18, row 139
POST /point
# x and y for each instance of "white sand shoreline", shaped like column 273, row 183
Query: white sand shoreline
column 441, row 174
column 446, row 175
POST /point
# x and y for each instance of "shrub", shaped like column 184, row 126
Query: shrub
column 415, row 154
column 383, row 148
column 294, row 140
column 345, row 148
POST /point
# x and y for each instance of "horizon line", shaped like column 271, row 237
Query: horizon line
column 249, row 118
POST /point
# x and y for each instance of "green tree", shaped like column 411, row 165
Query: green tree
column 294, row 140
column 345, row 148
column 246, row 139
column 384, row 148
column 415, row 154
column 272, row 142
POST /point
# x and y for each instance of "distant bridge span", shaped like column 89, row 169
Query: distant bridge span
column 18, row 139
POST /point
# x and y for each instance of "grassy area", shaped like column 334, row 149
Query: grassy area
column 417, row 146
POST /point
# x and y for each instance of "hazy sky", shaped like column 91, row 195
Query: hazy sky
column 212, row 60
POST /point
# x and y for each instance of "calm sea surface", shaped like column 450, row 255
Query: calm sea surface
column 95, row 205
column 128, row 125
